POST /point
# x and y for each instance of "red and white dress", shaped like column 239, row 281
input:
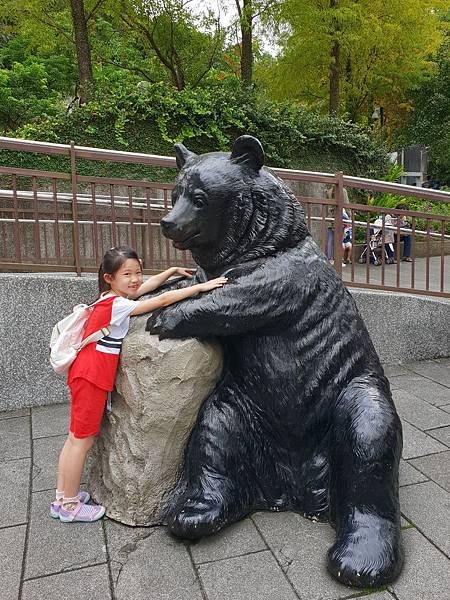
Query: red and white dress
column 93, row 373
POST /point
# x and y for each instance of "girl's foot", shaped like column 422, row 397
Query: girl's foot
column 76, row 511
column 55, row 506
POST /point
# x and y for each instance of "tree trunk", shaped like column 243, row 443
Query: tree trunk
column 334, row 79
column 83, row 49
column 334, row 71
column 246, row 19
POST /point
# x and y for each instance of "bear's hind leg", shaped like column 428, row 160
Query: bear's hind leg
column 365, row 452
column 215, row 485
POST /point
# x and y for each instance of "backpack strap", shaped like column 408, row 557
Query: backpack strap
column 97, row 335
column 94, row 337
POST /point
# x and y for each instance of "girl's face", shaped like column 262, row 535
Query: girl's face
column 127, row 279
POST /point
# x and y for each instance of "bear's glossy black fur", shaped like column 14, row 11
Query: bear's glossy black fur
column 303, row 417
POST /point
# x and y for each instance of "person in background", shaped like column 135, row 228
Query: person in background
column 404, row 237
column 347, row 241
column 330, row 230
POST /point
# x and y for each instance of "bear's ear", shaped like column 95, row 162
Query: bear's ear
column 247, row 149
column 183, row 155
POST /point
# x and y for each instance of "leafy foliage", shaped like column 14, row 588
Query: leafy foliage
column 429, row 123
column 152, row 118
column 384, row 46
column 142, row 51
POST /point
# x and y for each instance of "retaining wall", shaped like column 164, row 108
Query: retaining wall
column 403, row 328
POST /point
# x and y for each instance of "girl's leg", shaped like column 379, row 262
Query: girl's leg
column 71, row 463
column 61, row 461
column 73, row 458
column 87, row 406
column 64, row 459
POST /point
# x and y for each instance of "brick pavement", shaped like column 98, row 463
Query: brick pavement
column 265, row 557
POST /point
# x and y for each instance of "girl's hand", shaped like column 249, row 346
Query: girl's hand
column 184, row 272
column 212, row 284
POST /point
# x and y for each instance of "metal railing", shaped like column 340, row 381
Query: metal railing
column 58, row 221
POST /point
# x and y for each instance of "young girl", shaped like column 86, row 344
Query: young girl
column 92, row 374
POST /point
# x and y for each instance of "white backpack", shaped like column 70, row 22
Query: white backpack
column 67, row 334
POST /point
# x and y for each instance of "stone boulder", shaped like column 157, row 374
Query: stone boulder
column 159, row 390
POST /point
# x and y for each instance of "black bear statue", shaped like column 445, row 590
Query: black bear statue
column 302, row 418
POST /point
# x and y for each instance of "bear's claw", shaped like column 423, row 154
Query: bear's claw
column 367, row 555
column 196, row 520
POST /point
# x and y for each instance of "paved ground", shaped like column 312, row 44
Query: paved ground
column 266, row 557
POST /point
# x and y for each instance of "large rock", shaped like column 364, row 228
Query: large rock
column 160, row 388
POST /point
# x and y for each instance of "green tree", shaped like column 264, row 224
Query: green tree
column 429, row 120
column 57, row 27
column 82, row 47
column 186, row 46
column 24, row 94
column 348, row 56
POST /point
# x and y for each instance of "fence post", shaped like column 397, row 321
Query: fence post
column 75, row 231
column 338, row 223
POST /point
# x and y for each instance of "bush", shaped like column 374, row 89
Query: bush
column 150, row 118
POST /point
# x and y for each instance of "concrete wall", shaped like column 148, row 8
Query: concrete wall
column 403, row 328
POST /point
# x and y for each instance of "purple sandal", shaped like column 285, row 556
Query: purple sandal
column 81, row 513
column 55, row 506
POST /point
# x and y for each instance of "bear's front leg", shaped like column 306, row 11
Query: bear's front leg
column 365, row 451
column 244, row 304
column 217, row 484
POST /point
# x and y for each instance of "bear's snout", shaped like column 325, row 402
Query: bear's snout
column 167, row 225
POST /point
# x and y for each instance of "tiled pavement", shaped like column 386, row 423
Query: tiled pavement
column 266, row 557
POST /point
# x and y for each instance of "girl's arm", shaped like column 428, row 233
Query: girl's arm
column 176, row 295
column 157, row 280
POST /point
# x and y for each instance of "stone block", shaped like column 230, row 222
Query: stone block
column 416, row 443
column 50, row 420
column 300, row 546
column 427, row 506
column 27, row 378
column 54, row 546
column 91, row 583
column 122, row 540
column 11, row 414
column 422, row 388
column 418, row 412
column 256, row 576
column 423, row 333
column 435, row 467
column 236, row 540
column 442, row 434
column 445, row 360
column 393, row 370
column 161, row 386
column 12, row 543
column 15, row 438
column 157, row 567
column 425, row 575
column 408, row 474
column 432, row 370
column 15, row 478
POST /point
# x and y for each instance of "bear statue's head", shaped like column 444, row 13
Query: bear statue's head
column 227, row 209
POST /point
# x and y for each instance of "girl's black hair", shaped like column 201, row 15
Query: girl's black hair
column 111, row 263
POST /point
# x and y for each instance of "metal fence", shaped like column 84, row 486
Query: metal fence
column 57, row 221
